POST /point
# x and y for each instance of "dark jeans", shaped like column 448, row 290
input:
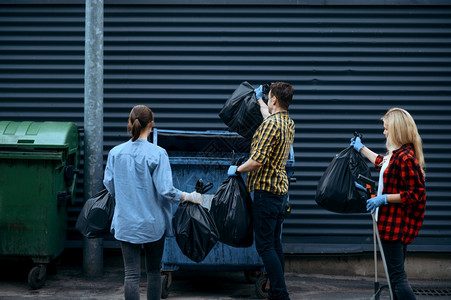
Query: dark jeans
column 395, row 254
column 132, row 265
column 268, row 215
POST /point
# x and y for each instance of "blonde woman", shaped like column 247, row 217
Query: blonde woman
column 401, row 195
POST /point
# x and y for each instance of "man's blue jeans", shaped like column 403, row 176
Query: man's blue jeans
column 268, row 213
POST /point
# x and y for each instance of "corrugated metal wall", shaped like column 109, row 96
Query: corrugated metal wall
column 348, row 65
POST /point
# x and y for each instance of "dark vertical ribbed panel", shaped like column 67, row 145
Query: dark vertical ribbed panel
column 348, row 65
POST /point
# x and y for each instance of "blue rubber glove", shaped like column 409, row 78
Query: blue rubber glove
column 360, row 187
column 373, row 203
column 357, row 144
column 259, row 92
column 232, row 171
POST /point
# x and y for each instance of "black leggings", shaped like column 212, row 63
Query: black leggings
column 395, row 254
column 132, row 266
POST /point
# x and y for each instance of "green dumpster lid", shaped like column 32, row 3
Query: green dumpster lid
column 39, row 134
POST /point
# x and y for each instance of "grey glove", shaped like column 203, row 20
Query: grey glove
column 193, row 197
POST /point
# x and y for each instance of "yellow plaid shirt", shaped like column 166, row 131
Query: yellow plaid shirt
column 271, row 146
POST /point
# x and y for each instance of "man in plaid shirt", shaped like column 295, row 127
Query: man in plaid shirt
column 401, row 198
column 268, row 181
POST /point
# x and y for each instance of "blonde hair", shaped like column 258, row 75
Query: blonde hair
column 402, row 130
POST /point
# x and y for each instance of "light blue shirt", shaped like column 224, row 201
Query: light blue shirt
column 138, row 175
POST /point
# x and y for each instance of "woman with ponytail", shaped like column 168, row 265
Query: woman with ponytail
column 138, row 175
column 401, row 197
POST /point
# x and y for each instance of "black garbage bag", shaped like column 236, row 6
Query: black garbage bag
column 231, row 208
column 241, row 112
column 195, row 231
column 95, row 217
column 336, row 190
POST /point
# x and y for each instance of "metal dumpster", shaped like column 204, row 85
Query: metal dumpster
column 38, row 169
column 206, row 155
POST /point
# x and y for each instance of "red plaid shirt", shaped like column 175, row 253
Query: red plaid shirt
column 403, row 176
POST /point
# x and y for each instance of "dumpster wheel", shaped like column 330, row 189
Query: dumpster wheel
column 166, row 280
column 36, row 277
column 252, row 276
column 261, row 287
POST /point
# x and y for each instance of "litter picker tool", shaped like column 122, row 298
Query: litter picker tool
column 371, row 187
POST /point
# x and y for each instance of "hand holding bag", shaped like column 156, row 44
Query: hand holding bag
column 336, row 189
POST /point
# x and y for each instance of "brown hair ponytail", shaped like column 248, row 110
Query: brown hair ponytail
column 139, row 119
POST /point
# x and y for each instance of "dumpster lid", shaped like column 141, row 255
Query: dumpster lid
column 39, row 134
column 200, row 141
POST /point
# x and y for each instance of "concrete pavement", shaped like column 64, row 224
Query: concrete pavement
column 70, row 283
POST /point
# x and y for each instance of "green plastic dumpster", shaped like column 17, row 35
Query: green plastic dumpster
column 38, row 164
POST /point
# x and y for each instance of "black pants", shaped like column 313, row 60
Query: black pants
column 268, row 215
column 132, row 265
column 395, row 255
